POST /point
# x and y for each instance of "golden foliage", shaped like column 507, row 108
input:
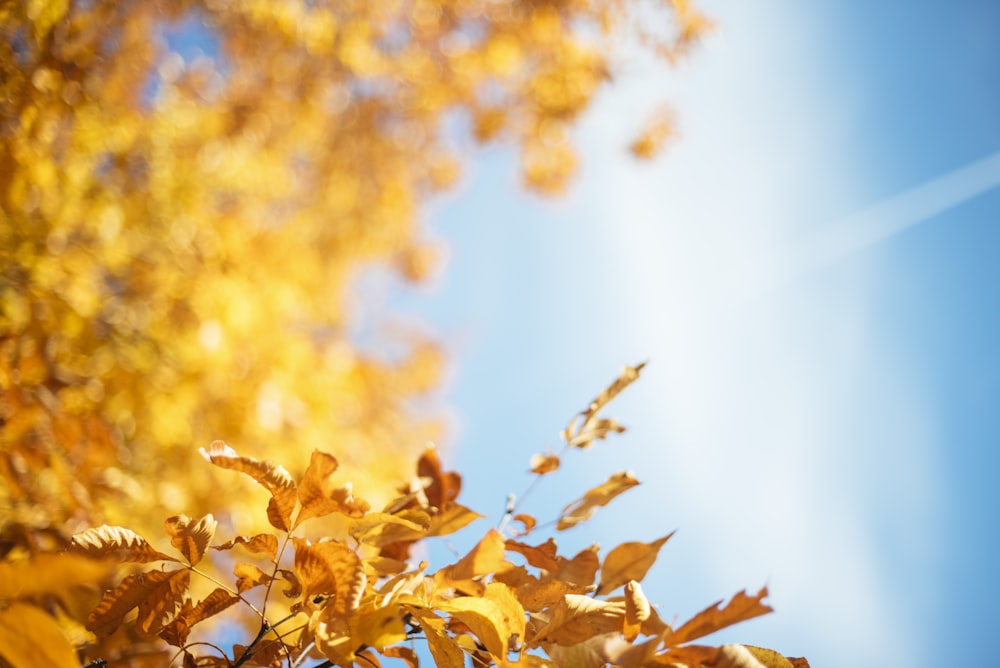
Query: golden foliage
column 353, row 605
column 187, row 191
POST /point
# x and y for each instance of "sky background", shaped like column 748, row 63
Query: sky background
column 812, row 270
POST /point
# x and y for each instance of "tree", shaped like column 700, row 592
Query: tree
column 187, row 191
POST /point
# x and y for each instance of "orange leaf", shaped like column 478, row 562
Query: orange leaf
column 628, row 561
column 275, row 479
column 117, row 543
column 444, row 486
column 330, row 569
column 540, row 556
column 378, row 529
column 741, row 608
column 583, row 436
column 319, row 497
column 640, row 617
column 583, row 508
column 191, row 539
column 403, row 653
column 262, row 542
column 577, row 618
column 249, row 576
column 157, row 594
column 542, row 464
column 485, row 558
column 581, row 569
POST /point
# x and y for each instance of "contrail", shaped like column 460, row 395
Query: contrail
column 895, row 214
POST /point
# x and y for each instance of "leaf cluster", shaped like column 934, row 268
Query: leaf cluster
column 359, row 597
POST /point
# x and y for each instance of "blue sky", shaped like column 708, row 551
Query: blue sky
column 812, row 272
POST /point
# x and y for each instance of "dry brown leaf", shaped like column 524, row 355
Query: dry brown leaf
column 741, row 608
column 275, row 479
column 542, row 464
column 319, row 497
column 115, row 543
column 249, row 576
column 294, row 589
column 191, row 538
column 329, row 569
column 156, row 594
column 30, row 637
column 265, row 543
column 583, row 508
column 575, row 619
column 628, row 561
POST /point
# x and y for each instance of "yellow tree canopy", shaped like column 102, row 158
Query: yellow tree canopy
column 186, row 189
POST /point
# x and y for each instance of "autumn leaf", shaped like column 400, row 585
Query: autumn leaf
column 443, row 486
column 544, row 556
column 587, row 427
column 249, row 576
column 741, row 608
column 640, row 616
column 48, row 574
column 495, row 617
column 582, row 568
column 746, row 656
column 191, row 538
column 329, row 569
column 583, row 508
column 156, row 594
column 487, row 557
column 577, row 618
column 319, row 497
column 30, row 637
column 445, row 652
column 265, row 543
column 115, row 543
column 274, row 478
column 628, row 561
column 544, row 463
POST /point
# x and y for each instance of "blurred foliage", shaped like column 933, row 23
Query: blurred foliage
column 187, row 190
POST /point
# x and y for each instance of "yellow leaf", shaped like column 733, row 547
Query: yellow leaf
column 249, row 576
column 741, row 608
column 319, row 497
column 640, row 617
column 156, row 594
column 378, row 529
column 577, row 618
column 329, row 569
column 443, row 649
column 191, row 538
column 581, row 569
column 261, row 543
column 377, row 627
column 274, row 478
column 628, row 561
column 116, row 543
column 29, row 637
column 583, row 508
column 583, row 434
column 485, row 558
column 48, row 574
column 495, row 617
